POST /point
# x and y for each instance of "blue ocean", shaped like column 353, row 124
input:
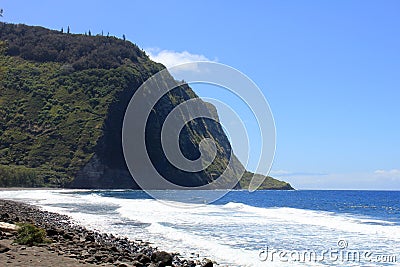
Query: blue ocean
column 261, row 228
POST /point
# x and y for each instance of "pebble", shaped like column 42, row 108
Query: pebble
column 3, row 248
column 75, row 241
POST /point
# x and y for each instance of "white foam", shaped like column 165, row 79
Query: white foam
column 214, row 249
column 326, row 219
column 228, row 233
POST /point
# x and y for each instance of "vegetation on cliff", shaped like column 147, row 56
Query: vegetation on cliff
column 62, row 100
column 53, row 108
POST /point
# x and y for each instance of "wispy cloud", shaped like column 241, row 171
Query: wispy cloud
column 279, row 173
column 285, row 173
column 392, row 172
column 171, row 58
column 375, row 180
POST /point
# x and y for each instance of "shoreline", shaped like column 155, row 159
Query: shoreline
column 27, row 188
column 74, row 245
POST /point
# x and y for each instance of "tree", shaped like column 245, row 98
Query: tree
column 90, row 33
column 68, row 29
column 123, row 37
column 62, row 29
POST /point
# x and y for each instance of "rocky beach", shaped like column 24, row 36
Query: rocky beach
column 73, row 245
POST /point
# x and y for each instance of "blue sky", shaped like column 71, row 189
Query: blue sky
column 330, row 71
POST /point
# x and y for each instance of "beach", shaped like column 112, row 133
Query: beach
column 74, row 245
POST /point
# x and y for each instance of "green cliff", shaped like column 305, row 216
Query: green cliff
column 62, row 102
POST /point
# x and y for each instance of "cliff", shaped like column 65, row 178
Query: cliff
column 62, row 102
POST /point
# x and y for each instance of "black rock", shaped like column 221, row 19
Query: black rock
column 114, row 249
column 68, row 236
column 90, row 238
column 162, row 258
column 110, row 259
column 207, row 263
column 142, row 258
column 3, row 248
column 52, row 232
column 99, row 257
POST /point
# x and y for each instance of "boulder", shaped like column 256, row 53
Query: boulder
column 8, row 227
column 142, row 258
column 207, row 263
column 162, row 258
column 4, row 248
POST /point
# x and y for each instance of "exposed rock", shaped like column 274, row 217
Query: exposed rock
column 53, row 232
column 102, row 79
column 8, row 227
column 142, row 258
column 89, row 238
column 162, row 258
column 207, row 263
column 81, row 147
column 4, row 248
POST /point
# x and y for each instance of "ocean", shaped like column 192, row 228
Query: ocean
column 262, row 228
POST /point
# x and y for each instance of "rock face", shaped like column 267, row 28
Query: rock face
column 107, row 167
column 66, row 97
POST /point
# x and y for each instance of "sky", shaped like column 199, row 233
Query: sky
column 330, row 71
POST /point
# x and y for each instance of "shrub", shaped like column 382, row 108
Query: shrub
column 29, row 234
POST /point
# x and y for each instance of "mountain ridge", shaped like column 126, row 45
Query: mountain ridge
column 63, row 97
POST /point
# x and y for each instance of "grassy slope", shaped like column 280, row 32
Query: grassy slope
column 50, row 119
column 268, row 184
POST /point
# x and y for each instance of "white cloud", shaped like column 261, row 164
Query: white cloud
column 393, row 172
column 171, row 58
